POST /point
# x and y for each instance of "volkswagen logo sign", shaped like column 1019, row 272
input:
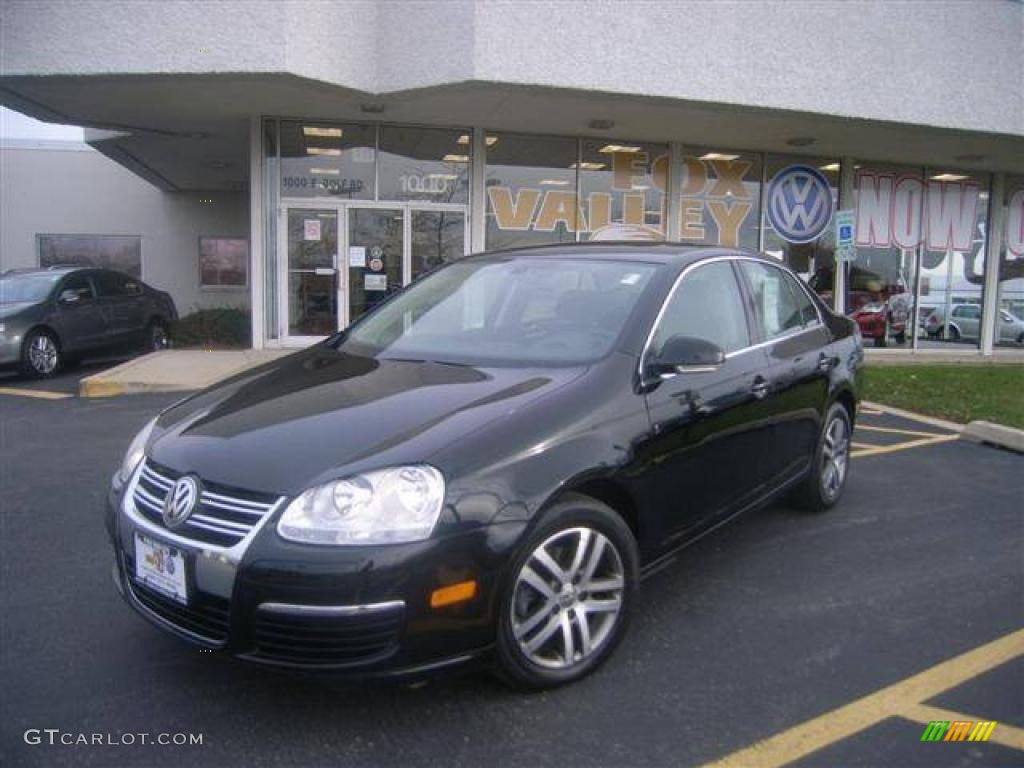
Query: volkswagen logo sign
column 181, row 501
column 799, row 203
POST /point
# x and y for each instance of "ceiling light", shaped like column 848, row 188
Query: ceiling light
column 491, row 140
column 801, row 141
column 588, row 166
column 832, row 167
column 329, row 151
column 947, row 177
column 718, row 156
column 313, row 130
column 554, row 182
column 618, row 148
column 602, row 125
column 455, row 158
column 372, row 109
column 324, row 171
column 445, row 176
column 640, row 187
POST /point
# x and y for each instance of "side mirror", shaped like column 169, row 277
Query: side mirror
column 687, row 354
column 69, row 297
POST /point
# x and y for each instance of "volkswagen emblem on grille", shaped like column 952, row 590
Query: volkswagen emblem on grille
column 181, row 501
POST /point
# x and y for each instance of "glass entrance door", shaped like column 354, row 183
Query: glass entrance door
column 311, row 279
column 376, row 257
column 345, row 258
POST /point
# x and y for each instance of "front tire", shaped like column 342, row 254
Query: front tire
column 567, row 599
column 826, row 479
column 40, row 355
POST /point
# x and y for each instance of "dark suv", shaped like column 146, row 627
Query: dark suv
column 49, row 317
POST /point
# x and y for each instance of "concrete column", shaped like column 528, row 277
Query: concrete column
column 673, row 188
column 257, row 255
column 478, row 191
column 993, row 245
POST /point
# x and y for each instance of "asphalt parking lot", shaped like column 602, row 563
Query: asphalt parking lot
column 781, row 639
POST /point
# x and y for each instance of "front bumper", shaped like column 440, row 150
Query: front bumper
column 355, row 611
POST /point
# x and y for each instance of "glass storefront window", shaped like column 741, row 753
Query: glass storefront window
column 623, row 189
column 531, row 190
column 801, row 196
column 328, row 160
column 1010, row 328
column 424, row 164
column 721, row 193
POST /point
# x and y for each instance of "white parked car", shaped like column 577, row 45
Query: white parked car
column 965, row 323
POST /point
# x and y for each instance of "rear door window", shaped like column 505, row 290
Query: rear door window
column 113, row 284
column 81, row 285
column 776, row 305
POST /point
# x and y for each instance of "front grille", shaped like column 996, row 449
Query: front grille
column 327, row 640
column 205, row 615
column 223, row 517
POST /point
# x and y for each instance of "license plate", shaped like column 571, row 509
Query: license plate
column 161, row 567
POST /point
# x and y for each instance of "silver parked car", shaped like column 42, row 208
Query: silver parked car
column 51, row 317
column 965, row 323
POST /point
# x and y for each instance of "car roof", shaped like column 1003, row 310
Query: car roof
column 678, row 254
column 55, row 270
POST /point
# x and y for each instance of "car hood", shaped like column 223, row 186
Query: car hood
column 15, row 307
column 322, row 414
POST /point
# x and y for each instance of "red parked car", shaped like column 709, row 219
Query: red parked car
column 879, row 305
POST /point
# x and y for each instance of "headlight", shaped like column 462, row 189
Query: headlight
column 389, row 506
column 135, row 454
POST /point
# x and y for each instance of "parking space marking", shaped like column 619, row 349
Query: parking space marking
column 877, row 450
column 905, row 696
column 39, row 394
column 895, row 431
column 1004, row 734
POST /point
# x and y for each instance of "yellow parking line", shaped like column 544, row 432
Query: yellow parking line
column 894, row 431
column 812, row 735
column 904, row 446
column 1004, row 734
column 39, row 394
column 871, row 412
column 862, row 445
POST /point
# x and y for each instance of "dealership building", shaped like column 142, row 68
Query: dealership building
column 358, row 144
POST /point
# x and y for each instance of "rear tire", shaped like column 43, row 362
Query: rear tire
column 567, row 596
column 157, row 337
column 40, row 355
column 954, row 334
column 826, row 479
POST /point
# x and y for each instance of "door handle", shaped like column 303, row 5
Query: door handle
column 760, row 388
column 826, row 363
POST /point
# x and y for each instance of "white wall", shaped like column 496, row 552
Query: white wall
column 954, row 64
column 68, row 188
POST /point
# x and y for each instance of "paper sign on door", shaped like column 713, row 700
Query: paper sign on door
column 357, row 256
column 311, row 229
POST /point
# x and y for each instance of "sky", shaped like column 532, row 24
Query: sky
column 14, row 125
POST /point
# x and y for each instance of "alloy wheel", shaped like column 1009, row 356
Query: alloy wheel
column 567, row 598
column 835, row 457
column 42, row 354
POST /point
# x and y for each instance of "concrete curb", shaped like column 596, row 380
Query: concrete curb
column 173, row 371
column 951, row 426
column 995, row 434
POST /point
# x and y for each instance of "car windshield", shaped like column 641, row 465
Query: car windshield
column 15, row 288
column 510, row 311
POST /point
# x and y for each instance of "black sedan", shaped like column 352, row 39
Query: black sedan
column 483, row 467
column 55, row 316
